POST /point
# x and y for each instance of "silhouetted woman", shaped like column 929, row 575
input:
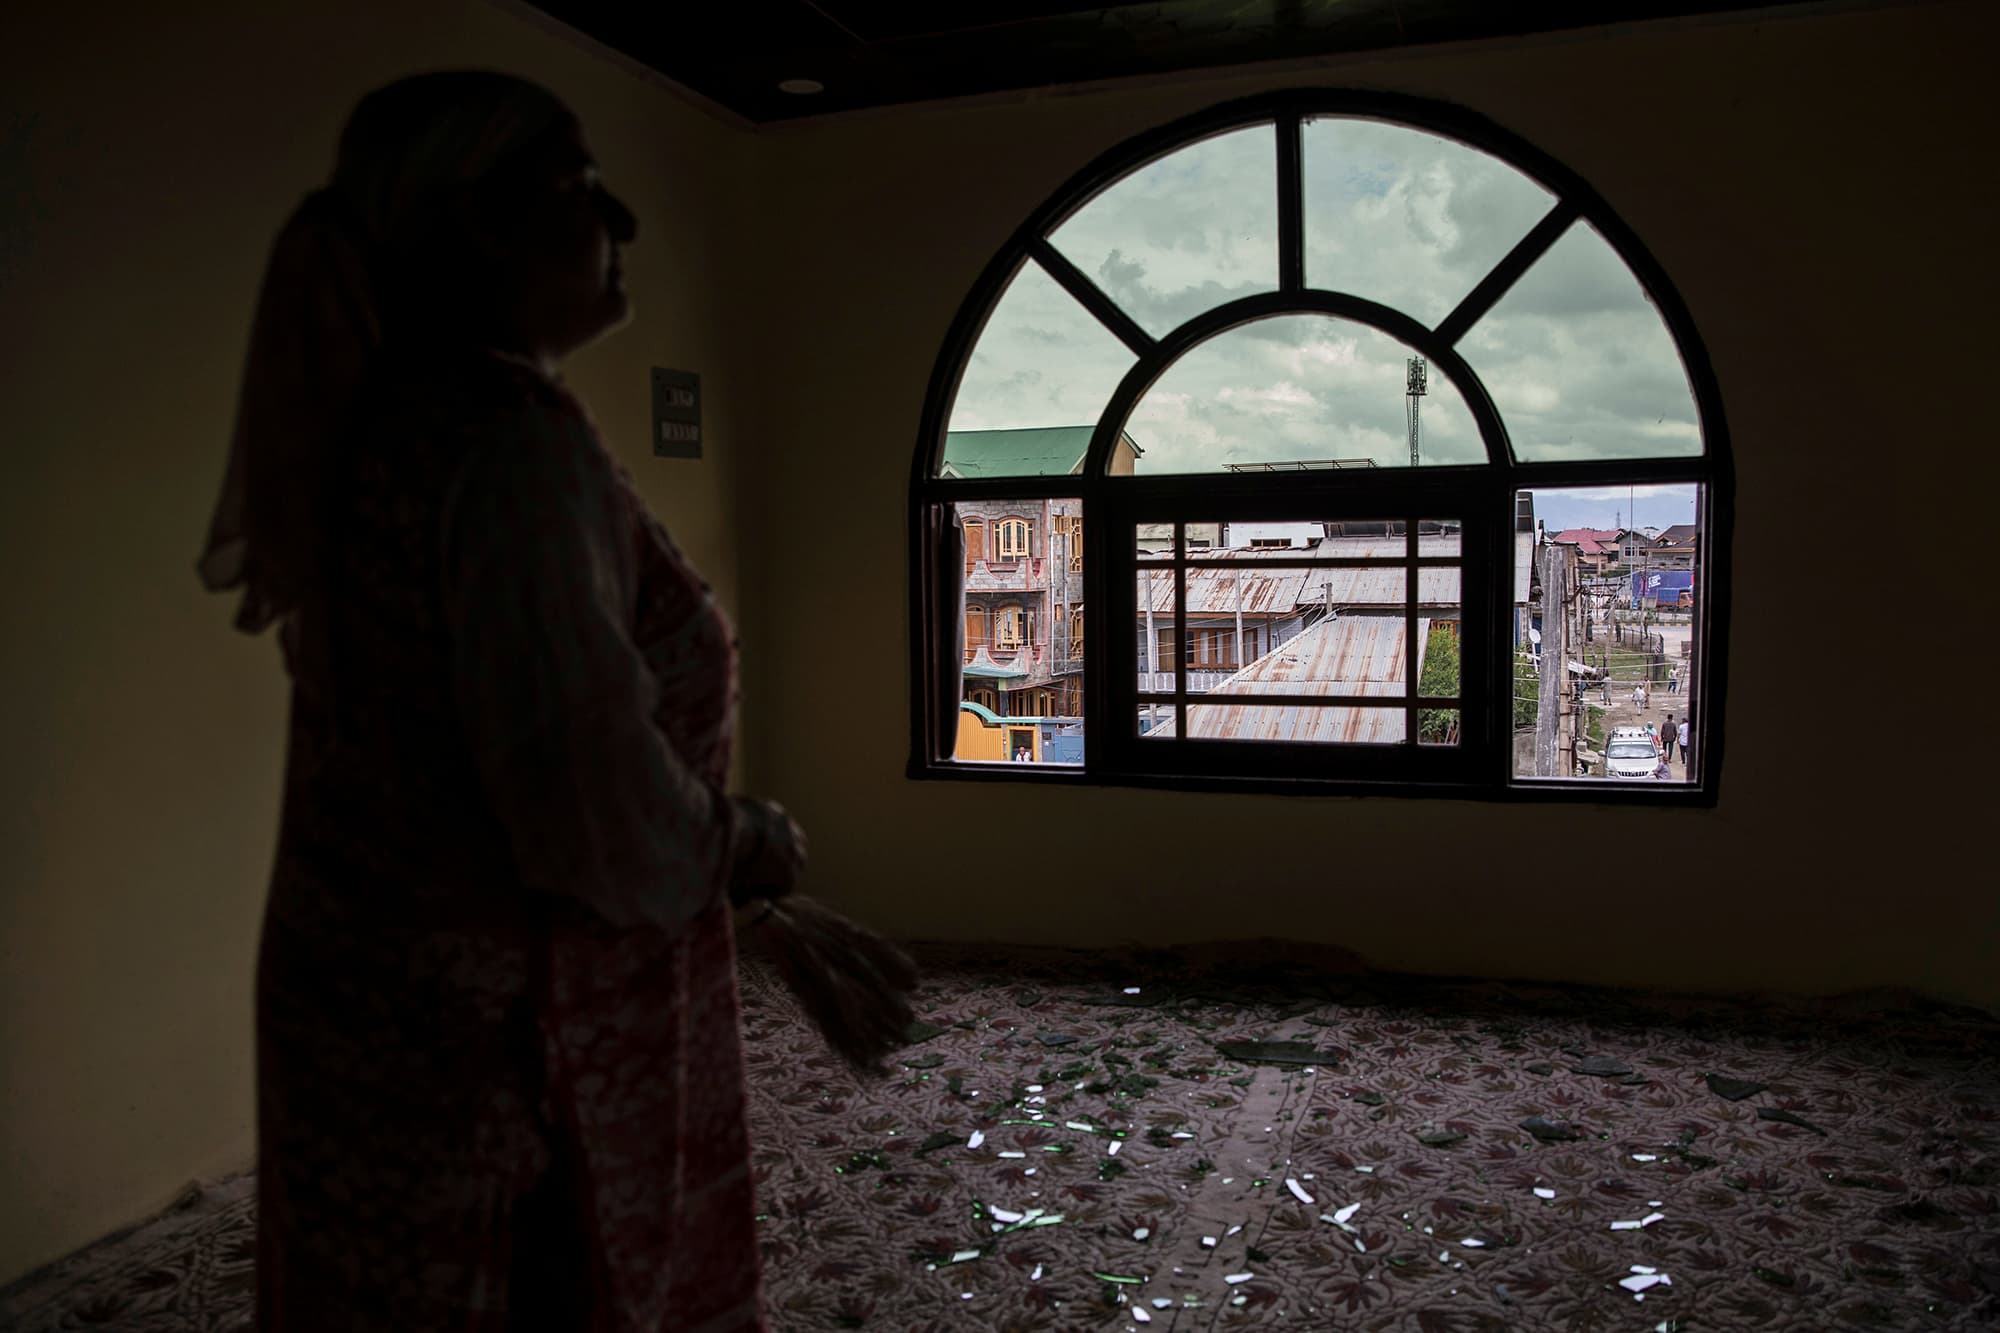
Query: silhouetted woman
column 500, row 1077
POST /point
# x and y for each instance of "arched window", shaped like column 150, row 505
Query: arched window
column 1383, row 415
column 1010, row 539
column 1010, row 627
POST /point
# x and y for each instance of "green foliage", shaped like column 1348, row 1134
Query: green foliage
column 1440, row 678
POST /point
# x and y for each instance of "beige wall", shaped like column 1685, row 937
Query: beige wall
column 148, row 157
column 1815, row 187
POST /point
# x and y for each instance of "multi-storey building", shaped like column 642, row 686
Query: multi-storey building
column 1024, row 572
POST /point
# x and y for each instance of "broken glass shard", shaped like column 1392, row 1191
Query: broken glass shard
column 1276, row 1053
column 1549, row 1131
column 1438, row 1136
column 1542, row 1193
column 1601, row 1065
column 1541, row 1067
column 1233, row 1278
column 1786, row 1117
column 1733, row 1089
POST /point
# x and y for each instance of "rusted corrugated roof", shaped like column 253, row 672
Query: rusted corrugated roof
column 1362, row 655
column 1268, row 592
column 1386, row 548
column 1264, row 592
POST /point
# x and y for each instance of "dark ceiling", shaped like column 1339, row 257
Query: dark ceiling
column 869, row 53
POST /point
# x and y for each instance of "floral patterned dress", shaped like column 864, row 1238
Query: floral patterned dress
column 497, row 956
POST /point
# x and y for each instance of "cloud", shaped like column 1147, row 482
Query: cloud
column 1575, row 356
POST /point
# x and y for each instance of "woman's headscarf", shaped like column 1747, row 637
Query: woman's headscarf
column 344, row 266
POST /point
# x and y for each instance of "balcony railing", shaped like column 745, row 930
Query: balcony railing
column 1200, row 680
column 1027, row 574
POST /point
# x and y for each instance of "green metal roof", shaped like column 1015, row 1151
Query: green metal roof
column 1035, row 451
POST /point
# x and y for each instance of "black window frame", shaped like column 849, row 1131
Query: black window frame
column 1480, row 496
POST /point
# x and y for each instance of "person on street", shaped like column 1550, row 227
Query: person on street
column 500, row 1079
column 1668, row 736
column 1687, row 750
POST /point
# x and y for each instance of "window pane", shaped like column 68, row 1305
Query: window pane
column 1439, row 664
column 1156, row 646
column 1437, row 726
column 1038, row 380
column 1604, row 632
column 1185, row 233
column 1580, row 363
column 1298, row 391
column 1022, row 679
column 1407, row 218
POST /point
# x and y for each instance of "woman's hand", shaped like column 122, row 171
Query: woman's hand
column 770, row 857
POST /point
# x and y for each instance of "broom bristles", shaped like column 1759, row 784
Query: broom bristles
column 854, row 984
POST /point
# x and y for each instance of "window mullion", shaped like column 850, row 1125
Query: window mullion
column 1412, row 650
column 1507, row 272
column 1092, row 298
column 1291, row 206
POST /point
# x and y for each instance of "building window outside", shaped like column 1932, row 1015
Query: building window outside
column 1011, row 536
column 1325, row 441
column 1010, row 627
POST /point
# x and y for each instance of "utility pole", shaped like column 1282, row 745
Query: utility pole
column 1555, row 665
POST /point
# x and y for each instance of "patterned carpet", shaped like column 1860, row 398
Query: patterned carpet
column 1182, row 1141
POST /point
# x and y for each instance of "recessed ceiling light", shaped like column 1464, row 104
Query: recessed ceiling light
column 802, row 87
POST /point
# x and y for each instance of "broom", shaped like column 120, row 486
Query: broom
column 854, row 984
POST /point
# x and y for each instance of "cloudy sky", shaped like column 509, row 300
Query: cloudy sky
column 1614, row 506
column 1576, row 358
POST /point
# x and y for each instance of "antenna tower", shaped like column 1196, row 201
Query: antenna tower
column 1418, row 377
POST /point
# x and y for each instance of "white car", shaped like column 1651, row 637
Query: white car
column 1629, row 752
